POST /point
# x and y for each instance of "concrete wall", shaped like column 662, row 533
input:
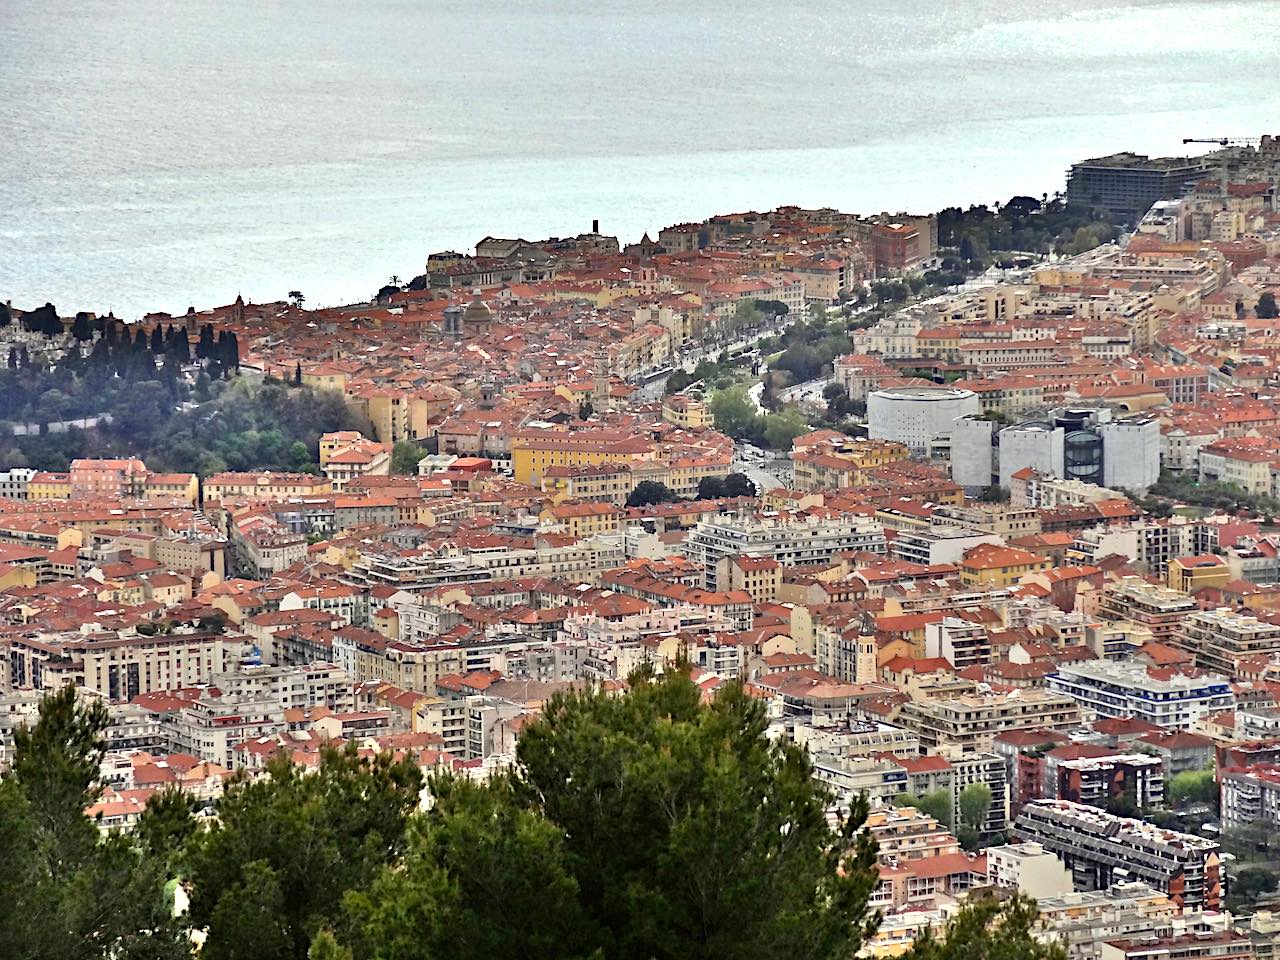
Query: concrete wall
column 972, row 452
column 1130, row 454
column 1037, row 447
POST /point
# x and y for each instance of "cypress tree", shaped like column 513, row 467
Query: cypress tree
column 82, row 327
column 231, row 356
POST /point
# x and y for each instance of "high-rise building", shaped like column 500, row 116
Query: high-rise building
column 1127, row 184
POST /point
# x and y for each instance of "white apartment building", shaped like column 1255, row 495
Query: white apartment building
column 1028, row 868
column 300, row 687
column 790, row 541
column 1113, row 688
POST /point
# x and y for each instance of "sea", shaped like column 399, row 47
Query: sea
column 161, row 154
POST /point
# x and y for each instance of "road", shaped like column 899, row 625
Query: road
column 761, row 478
column 689, row 359
column 810, row 389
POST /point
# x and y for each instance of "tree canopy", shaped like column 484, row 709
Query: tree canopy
column 285, row 849
column 974, row 803
column 936, row 803
column 239, row 425
column 732, row 485
column 649, row 492
column 647, row 824
column 68, row 892
column 405, row 456
column 986, row 928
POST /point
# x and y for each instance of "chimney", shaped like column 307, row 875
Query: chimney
column 595, row 226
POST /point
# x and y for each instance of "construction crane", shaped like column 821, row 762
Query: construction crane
column 1225, row 142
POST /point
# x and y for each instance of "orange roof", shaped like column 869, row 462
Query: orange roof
column 990, row 556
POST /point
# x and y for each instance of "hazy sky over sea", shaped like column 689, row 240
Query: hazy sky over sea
column 158, row 155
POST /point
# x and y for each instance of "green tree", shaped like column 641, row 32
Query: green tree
column 974, row 803
column 783, row 427
column 69, row 893
column 747, row 315
column 486, row 877
column 738, row 485
column 1248, row 885
column 1249, row 841
column 732, row 411
column 678, row 381
column 935, row 803
column 710, row 488
column 994, row 494
column 1192, row 786
column 802, row 361
column 1266, row 308
column 987, row 928
column 251, row 920
column 649, row 492
column 690, row 832
column 405, row 456
column 326, row 947
column 56, row 765
column 166, row 825
column 310, row 836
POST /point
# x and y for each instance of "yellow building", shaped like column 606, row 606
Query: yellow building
column 183, row 486
column 682, row 475
column 13, row 575
column 781, row 498
column 839, row 462
column 1190, row 574
column 585, row 519
column 604, row 483
column 387, row 622
column 532, row 453
column 991, row 565
column 324, row 376
column 389, row 413
column 49, row 486
column 267, row 484
column 687, row 412
column 576, row 392
column 331, row 443
column 758, row 576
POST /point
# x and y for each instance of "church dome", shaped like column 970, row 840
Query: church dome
column 477, row 312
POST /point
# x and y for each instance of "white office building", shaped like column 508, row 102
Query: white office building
column 916, row 415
